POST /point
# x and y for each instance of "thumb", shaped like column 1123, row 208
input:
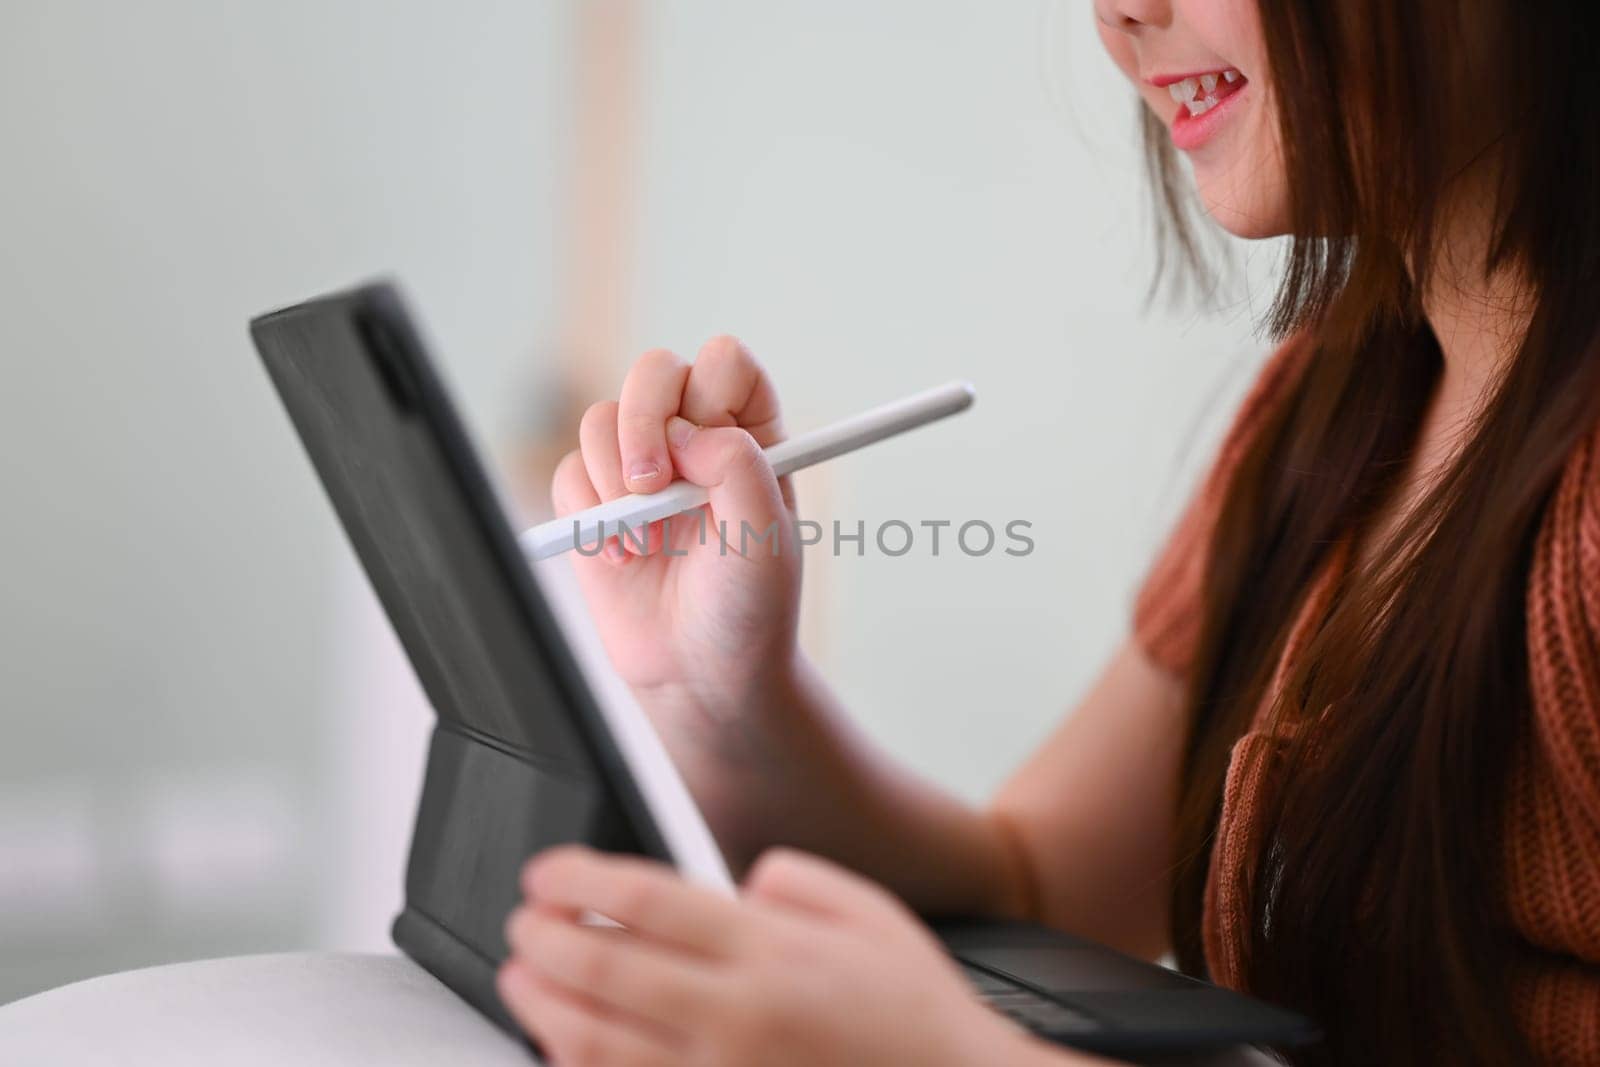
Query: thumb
column 745, row 499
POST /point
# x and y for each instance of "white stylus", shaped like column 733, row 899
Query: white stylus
column 637, row 510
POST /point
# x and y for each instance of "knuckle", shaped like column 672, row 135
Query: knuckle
column 741, row 451
column 597, row 416
column 725, row 350
column 658, row 360
column 570, row 465
column 775, row 868
column 637, row 901
column 556, row 863
column 535, row 1004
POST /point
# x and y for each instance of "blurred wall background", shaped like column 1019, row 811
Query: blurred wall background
column 209, row 743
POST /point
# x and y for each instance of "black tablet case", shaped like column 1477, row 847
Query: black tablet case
column 519, row 757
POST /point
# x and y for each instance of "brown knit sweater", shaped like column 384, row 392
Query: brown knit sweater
column 1551, row 859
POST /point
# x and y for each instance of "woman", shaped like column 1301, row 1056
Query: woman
column 1349, row 758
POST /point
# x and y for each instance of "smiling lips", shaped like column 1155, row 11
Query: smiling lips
column 1201, row 95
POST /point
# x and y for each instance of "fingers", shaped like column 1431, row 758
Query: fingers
column 643, row 896
column 745, row 499
column 651, row 394
column 812, row 884
column 613, row 967
column 723, row 410
column 597, row 437
column 727, row 387
column 570, row 487
column 573, row 1030
column 602, row 467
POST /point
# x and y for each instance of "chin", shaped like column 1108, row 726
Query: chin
column 1249, row 225
column 1252, row 214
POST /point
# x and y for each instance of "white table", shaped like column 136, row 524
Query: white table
column 306, row 1009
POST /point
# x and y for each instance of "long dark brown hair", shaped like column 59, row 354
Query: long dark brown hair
column 1378, row 909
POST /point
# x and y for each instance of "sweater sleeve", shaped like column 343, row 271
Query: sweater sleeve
column 1563, row 609
column 1167, row 608
column 1551, row 833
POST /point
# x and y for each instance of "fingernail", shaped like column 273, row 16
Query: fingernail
column 642, row 473
column 616, row 553
column 679, row 431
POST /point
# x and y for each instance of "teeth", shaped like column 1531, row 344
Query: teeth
column 1199, row 94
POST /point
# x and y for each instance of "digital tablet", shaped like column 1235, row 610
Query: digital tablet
column 524, row 755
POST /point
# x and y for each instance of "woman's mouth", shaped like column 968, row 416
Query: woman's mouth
column 1199, row 93
column 1202, row 99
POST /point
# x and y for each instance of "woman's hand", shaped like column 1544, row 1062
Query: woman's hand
column 700, row 620
column 704, row 632
column 811, row 965
column 687, row 612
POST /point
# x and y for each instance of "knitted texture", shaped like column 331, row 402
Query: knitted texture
column 1551, row 830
